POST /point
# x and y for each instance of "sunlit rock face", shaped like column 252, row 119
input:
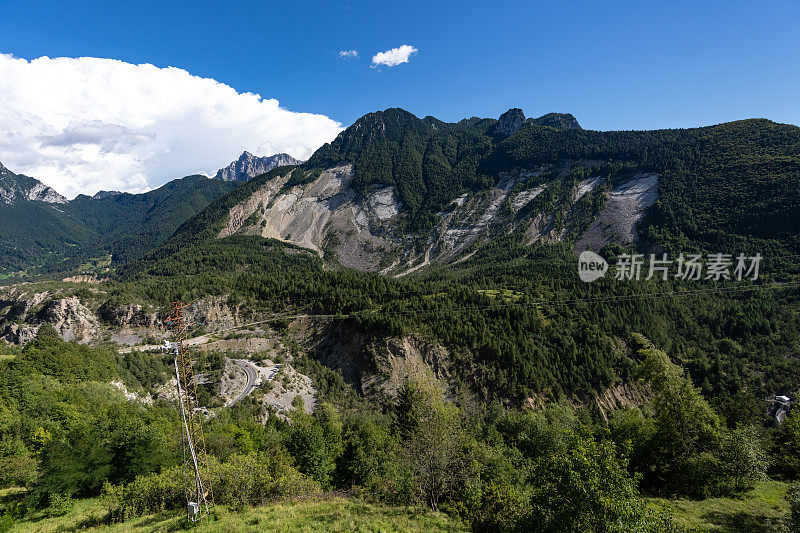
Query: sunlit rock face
column 248, row 166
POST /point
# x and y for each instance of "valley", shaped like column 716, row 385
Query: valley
column 399, row 319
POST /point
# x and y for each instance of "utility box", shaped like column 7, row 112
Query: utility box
column 193, row 510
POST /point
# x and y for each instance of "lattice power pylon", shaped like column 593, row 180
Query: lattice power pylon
column 199, row 496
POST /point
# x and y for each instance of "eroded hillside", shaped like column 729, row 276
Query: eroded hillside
column 369, row 230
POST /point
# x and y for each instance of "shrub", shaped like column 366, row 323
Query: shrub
column 60, row 504
column 743, row 458
column 249, row 480
column 307, row 444
column 6, row 523
column 242, row 481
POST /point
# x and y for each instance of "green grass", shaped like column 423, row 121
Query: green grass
column 327, row 515
column 95, row 263
column 760, row 509
column 505, row 294
column 6, row 354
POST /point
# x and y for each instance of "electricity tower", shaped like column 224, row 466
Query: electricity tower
column 197, row 485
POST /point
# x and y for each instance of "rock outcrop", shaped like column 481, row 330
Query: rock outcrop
column 71, row 319
column 20, row 333
column 94, row 317
column 625, row 205
column 16, row 188
column 364, row 227
column 214, row 313
column 324, row 213
column 99, row 195
column 84, row 278
column 377, row 366
column 510, row 122
column 127, row 315
column 249, row 166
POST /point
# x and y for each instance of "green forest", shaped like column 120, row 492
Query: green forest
column 68, row 435
column 729, row 185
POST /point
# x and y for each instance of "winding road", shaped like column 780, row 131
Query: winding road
column 252, row 378
column 252, row 374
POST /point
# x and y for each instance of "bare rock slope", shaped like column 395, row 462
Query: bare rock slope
column 364, row 229
column 16, row 188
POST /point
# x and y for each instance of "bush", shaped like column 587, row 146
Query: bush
column 307, row 444
column 584, row 487
column 6, row 523
column 60, row 505
column 249, row 480
column 17, row 470
column 242, row 481
column 151, row 494
column 743, row 458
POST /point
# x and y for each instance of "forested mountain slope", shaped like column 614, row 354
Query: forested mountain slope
column 481, row 219
column 394, row 192
column 495, row 211
column 130, row 225
column 41, row 231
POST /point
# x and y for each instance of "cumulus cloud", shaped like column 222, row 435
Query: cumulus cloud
column 348, row 53
column 86, row 124
column 393, row 57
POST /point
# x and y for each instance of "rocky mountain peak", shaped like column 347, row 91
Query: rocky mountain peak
column 510, row 122
column 248, row 166
column 15, row 188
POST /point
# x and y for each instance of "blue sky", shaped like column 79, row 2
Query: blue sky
column 85, row 125
column 615, row 65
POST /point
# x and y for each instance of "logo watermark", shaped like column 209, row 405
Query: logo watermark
column 693, row 267
column 591, row 266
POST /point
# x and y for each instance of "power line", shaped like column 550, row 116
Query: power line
column 537, row 303
column 542, row 302
column 433, row 291
column 559, row 262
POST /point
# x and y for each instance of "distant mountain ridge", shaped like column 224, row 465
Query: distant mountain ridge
column 42, row 231
column 249, row 166
column 16, row 188
column 99, row 195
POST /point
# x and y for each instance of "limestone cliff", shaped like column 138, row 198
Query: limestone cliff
column 249, row 166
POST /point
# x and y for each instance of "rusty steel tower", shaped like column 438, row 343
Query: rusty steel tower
column 197, row 485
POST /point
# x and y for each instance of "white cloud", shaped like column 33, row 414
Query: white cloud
column 393, row 57
column 85, row 124
column 348, row 53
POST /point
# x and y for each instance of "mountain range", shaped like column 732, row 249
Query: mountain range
column 42, row 231
column 411, row 244
column 410, row 255
column 394, row 192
